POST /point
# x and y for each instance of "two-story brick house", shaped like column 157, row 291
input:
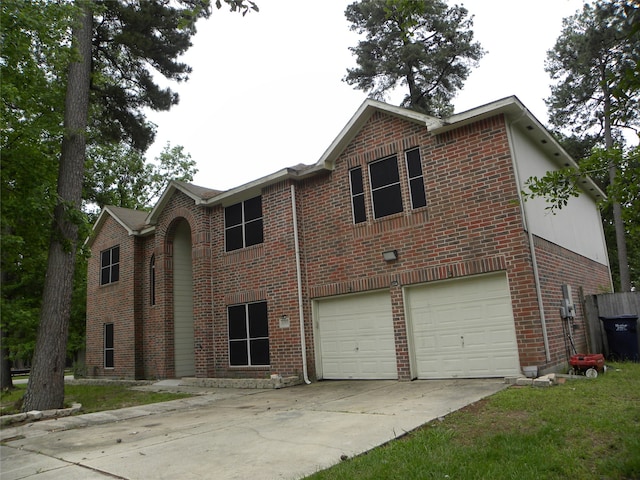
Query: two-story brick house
column 404, row 252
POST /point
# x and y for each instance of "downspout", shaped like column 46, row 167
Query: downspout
column 303, row 344
column 536, row 274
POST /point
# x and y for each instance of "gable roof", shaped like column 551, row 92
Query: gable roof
column 513, row 109
column 362, row 116
column 199, row 195
column 142, row 223
column 133, row 221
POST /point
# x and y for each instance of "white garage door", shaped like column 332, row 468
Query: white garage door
column 356, row 338
column 463, row 328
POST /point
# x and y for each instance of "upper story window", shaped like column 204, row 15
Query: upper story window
column 243, row 224
column 386, row 192
column 416, row 180
column 357, row 195
column 110, row 265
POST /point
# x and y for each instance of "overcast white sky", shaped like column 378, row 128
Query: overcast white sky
column 266, row 90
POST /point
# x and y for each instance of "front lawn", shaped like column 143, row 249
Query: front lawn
column 584, row 429
column 93, row 398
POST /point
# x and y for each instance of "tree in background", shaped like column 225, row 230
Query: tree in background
column 422, row 44
column 100, row 78
column 117, row 174
column 35, row 39
column 596, row 95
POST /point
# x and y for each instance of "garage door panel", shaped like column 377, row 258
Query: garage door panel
column 463, row 328
column 356, row 337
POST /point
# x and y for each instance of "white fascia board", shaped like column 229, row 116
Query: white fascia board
column 519, row 115
column 166, row 196
column 254, row 188
column 103, row 218
column 357, row 121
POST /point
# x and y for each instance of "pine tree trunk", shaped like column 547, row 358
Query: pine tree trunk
column 618, row 222
column 46, row 382
column 6, row 383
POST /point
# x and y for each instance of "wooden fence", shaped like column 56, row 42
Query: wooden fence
column 607, row 305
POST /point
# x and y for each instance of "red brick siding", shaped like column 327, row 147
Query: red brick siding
column 472, row 224
column 265, row 272
column 557, row 266
column 113, row 303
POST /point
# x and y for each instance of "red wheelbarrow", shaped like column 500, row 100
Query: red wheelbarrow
column 589, row 365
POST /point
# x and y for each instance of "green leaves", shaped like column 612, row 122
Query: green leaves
column 117, row 174
column 421, row 44
column 594, row 57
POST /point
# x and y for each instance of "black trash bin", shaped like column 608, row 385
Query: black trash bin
column 622, row 335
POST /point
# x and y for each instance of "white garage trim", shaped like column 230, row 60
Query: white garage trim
column 354, row 337
column 462, row 328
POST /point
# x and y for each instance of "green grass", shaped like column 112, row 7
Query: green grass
column 584, row 429
column 93, row 398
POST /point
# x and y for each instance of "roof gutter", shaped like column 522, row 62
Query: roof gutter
column 232, row 196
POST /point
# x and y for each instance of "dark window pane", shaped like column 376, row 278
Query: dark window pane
column 104, row 276
column 253, row 233
column 109, row 359
column 356, row 181
column 108, row 335
column 238, row 353
column 259, row 352
column 413, row 163
column 384, row 172
column 258, row 310
column 152, row 279
column 258, row 320
column 115, row 273
column 233, row 240
column 359, row 212
column 105, row 258
column 387, row 201
column 233, row 215
column 253, row 209
column 237, row 322
column 115, row 255
column 418, row 197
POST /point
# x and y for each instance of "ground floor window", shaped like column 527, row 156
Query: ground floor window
column 248, row 334
column 108, row 346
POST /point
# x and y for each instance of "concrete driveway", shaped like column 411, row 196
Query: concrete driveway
column 233, row 434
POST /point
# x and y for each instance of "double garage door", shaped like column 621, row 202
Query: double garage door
column 457, row 329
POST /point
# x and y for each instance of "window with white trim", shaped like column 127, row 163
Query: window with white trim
column 110, row 265
column 357, row 195
column 152, row 280
column 248, row 334
column 109, row 346
column 243, row 224
column 416, row 179
column 386, row 192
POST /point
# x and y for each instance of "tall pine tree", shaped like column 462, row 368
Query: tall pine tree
column 108, row 86
column 595, row 99
column 422, row 44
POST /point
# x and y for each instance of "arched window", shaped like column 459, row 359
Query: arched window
column 152, row 280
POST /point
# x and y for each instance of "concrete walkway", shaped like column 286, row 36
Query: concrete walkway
column 231, row 433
